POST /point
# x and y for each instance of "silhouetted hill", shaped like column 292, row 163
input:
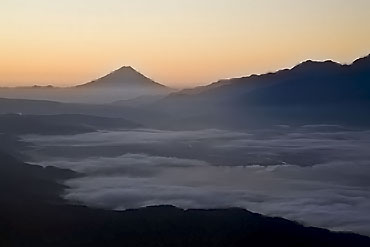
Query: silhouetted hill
column 308, row 82
column 124, row 77
column 24, row 183
column 311, row 92
column 317, row 83
column 362, row 64
column 31, row 214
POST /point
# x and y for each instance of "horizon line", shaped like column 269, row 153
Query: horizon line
column 182, row 88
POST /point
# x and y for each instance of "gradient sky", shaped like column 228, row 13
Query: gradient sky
column 180, row 43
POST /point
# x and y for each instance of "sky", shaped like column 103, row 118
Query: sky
column 179, row 43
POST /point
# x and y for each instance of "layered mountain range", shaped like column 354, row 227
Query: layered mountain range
column 311, row 92
column 306, row 83
column 33, row 212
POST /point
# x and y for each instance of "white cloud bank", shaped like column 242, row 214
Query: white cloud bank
column 319, row 177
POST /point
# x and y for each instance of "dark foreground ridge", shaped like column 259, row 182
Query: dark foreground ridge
column 32, row 214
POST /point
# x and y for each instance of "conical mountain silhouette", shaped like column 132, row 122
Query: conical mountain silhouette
column 124, row 77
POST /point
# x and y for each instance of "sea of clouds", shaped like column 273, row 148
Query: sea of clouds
column 318, row 175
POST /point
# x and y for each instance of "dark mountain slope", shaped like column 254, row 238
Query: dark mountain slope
column 315, row 81
column 24, row 183
column 311, row 92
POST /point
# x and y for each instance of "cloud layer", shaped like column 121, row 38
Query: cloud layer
column 318, row 175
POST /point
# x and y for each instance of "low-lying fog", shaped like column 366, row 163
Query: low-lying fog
column 318, row 175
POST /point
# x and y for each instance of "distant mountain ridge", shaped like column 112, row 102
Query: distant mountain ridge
column 308, row 66
column 310, row 92
column 307, row 83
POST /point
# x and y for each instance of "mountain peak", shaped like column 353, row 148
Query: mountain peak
column 127, row 68
column 313, row 63
column 311, row 66
column 124, row 77
column 362, row 62
column 126, row 71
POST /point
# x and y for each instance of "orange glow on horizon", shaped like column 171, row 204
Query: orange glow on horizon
column 179, row 43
